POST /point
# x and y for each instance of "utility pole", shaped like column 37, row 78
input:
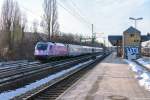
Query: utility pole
column 104, row 48
column 92, row 35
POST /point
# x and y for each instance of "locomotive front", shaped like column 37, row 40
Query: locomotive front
column 41, row 50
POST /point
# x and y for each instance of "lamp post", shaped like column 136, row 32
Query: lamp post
column 135, row 20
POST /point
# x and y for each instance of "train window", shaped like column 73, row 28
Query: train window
column 42, row 46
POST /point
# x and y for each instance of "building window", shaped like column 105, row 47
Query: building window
column 132, row 35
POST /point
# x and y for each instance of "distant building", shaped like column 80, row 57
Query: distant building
column 129, row 45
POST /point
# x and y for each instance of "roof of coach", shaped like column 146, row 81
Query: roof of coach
column 59, row 44
column 44, row 42
column 39, row 42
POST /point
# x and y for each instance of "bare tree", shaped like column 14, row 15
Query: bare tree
column 23, row 25
column 37, row 37
column 55, row 25
column 50, row 17
column 35, row 26
column 47, row 16
column 17, row 24
column 6, row 20
column 35, row 30
column 10, row 21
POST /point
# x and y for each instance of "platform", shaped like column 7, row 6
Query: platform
column 109, row 80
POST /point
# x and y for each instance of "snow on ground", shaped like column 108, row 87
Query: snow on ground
column 9, row 64
column 99, row 56
column 10, row 94
column 145, row 61
column 136, row 68
column 142, row 75
column 3, row 66
column 145, row 75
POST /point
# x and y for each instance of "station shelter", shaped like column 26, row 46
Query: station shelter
column 128, row 45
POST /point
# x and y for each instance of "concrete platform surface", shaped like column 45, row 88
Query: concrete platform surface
column 109, row 80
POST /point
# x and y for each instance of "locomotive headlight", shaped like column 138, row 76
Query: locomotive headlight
column 36, row 51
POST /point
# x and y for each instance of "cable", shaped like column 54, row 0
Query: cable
column 78, row 10
column 31, row 12
column 77, row 17
column 81, row 13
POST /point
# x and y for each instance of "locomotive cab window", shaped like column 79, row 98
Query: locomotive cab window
column 42, row 46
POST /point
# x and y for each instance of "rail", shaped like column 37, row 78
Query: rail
column 55, row 87
column 23, row 74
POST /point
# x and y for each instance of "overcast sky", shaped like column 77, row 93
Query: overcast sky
column 108, row 16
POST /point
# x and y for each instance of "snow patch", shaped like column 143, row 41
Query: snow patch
column 145, row 75
column 141, row 82
column 145, row 63
column 147, row 85
column 134, row 67
column 142, row 75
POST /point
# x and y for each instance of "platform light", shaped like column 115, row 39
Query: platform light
column 135, row 19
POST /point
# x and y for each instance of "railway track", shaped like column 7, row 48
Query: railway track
column 25, row 74
column 9, row 64
column 52, row 90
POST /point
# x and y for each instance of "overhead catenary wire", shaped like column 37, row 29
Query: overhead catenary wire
column 72, row 6
column 77, row 16
column 73, row 14
column 79, row 11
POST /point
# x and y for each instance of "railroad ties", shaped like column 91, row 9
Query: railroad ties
column 53, row 90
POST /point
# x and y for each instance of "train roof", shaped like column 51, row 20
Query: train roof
column 60, row 44
column 45, row 43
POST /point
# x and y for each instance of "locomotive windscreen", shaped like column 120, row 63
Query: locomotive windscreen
column 42, row 46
